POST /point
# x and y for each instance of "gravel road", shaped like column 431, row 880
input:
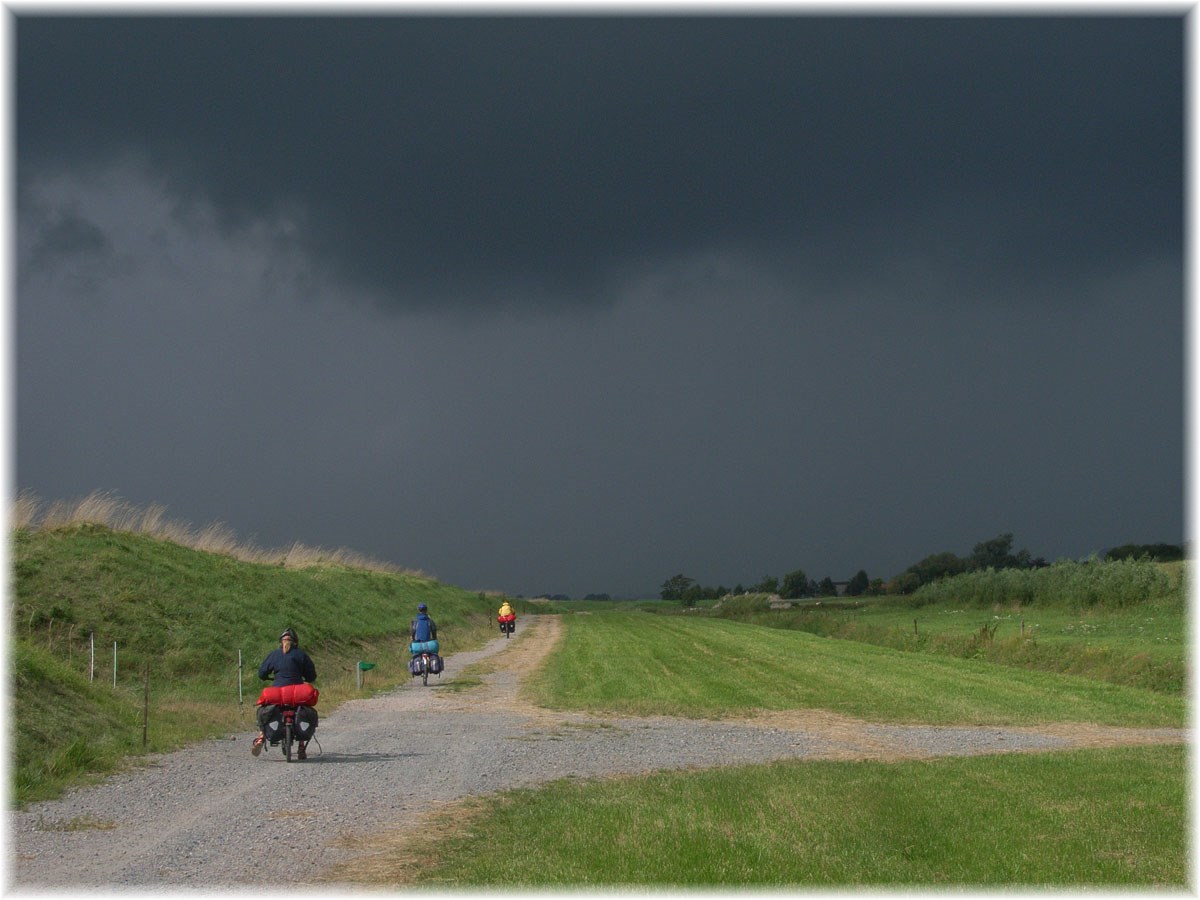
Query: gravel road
column 213, row 816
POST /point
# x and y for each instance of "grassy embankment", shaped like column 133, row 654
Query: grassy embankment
column 185, row 614
column 1108, row 817
column 1121, row 622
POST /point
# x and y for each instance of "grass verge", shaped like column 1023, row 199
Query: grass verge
column 1104, row 818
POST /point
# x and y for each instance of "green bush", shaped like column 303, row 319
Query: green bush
column 742, row 606
column 1077, row 585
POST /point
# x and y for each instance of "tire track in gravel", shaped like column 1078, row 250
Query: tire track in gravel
column 213, row 816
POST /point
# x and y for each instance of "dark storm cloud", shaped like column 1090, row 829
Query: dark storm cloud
column 69, row 236
column 66, row 243
column 428, row 159
column 834, row 293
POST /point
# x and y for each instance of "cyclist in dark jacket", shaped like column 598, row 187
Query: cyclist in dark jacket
column 290, row 665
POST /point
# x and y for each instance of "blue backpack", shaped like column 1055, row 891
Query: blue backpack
column 423, row 631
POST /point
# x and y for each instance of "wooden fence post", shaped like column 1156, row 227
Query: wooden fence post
column 146, row 706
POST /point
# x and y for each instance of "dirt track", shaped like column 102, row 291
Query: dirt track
column 213, row 816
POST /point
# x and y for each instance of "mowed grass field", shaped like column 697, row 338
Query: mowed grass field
column 641, row 664
column 1113, row 817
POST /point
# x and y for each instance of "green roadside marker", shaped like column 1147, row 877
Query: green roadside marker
column 363, row 667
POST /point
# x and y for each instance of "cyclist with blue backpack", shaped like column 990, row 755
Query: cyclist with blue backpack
column 423, row 628
column 424, row 647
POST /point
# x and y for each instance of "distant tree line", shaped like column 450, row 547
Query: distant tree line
column 795, row 585
column 995, row 553
column 1157, row 552
column 565, row 597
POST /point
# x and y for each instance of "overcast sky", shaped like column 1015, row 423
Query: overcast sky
column 572, row 304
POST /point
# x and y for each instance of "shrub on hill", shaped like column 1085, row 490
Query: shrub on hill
column 1157, row 552
column 742, row 606
column 1079, row 585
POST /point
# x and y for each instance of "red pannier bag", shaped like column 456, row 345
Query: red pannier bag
column 289, row 695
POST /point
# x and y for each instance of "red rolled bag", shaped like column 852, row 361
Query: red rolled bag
column 289, row 695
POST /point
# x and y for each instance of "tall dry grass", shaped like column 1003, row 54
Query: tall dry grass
column 105, row 508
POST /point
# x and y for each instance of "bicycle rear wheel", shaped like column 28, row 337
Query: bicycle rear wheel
column 288, row 736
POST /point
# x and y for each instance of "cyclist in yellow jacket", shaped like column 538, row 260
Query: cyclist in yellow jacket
column 507, row 619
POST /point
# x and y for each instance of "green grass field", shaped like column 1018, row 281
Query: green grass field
column 641, row 664
column 1108, row 818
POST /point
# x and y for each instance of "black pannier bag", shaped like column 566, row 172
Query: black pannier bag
column 435, row 664
column 414, row 665
column 306, row 723
column 270, row 722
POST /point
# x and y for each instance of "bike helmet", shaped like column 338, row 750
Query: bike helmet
column 421, row 607
column 290, row 633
